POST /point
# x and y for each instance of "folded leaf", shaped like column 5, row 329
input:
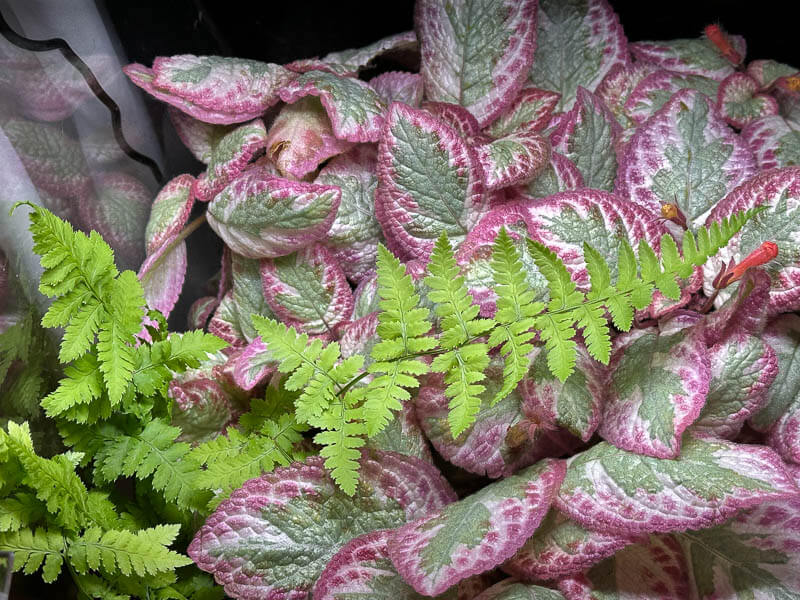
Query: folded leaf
column 202, row 409
column 739, row 102
column 619, row 492
column 742, row 369
column 655, row 569
column 266, row 539
column 301, row 138
column 253, row 365
column 225, row 322
column 588, row 136
column 616, row 88
column 230, row 156
column 354, row 235
column 516, row 158
column 560, row 175
column 779, row 191
column 200, row 138
column 307, row 290
column 476, row 54
column 774, row 141
column 531, row 111
column 398, row 86
column 655, row 90
column 354, row 109
column 685, row 155
column 213, row 89
column 657, row 388
column 262, row 216
column 766, row 72
column 783, row 335
column 744, row 313
column 579, row 41
column 162, row 275
column 477, row 533
column 561, row 547
column 429, row 183
column 248, row 293
column 362, row 569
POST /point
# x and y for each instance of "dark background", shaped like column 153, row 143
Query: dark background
column 284, row 30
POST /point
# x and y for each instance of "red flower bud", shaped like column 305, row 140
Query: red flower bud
column 720, row 39
column 761, row 255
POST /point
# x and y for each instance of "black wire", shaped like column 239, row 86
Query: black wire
column 76, row 61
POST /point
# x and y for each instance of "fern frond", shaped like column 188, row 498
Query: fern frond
column 451, row 297
column 463, row 369
column 125, row 552
column 232, row 459
column 32, row 548
column 557, row 333
column 53, row 480
column 151, row 452
column 402, row 327
column 82, row 383
column 563, row 292
column 20, row 510
column 95, row 586
column 341, row 439
column 515, row 313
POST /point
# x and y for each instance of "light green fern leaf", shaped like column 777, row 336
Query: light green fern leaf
column 463, row 370
column 341, row 439
column 82, row 383
column 33, row 548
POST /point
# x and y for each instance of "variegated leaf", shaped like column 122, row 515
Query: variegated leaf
column 459, row 118
column 752, row 556
column 119, row 210
column 248, row 293
column 575, row 404
column 514, row 159
column 783, row 335
column 429, row 182
column 225, row 322
column 579, row 41
column 203, row 407
column 685, row 155
column 398, row 86
column 503, row 439
column 352, row 60
column 617, row 87
column 213, row 89
column 162, row 275
column 620, row 492
column 561, row 175
column 476, row 533
column 253, row 365
column 744, row 313
column 200, row 312
column 301, row 138
column 697, row 56
column 779, row 191
column 509, row 589
column 169, row 212
column 199, row 137
column 403, row 434
column 561, row 547
column 657, row 387
column 365, row 296
column 476, row 53
column 655, row 90
column 307, row 290
column 354, row 235
column 739, row 102
column 229, row 157
column 262, row 216
column 362, row 569
column 588, row 136
column 774, row 141
column 742, row 369
column 766, row 72
column 273, row 537
column 655, row 569
column 355, row 110
column 531, row 111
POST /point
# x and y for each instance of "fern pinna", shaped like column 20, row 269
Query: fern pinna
column 335, row 399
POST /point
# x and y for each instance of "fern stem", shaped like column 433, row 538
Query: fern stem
column 185, row 232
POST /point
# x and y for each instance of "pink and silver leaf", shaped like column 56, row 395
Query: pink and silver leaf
column 354, row 235
column 696, row 56
column 560, row 547
column 779, row 191
column 616, row 491
column 199, row 137
column 766, row 72
column 655, row 90
column 783, row 335
column 685, row 155
column 307, row 290
column 477, row 533
column 514, row 159
column 265, row 540
column 742, row 369
column 362, row 569
column 203, row 407
column 755, row 555
column 169, row 212
column 774, row 141
column 253, row 365
column 301, row 138
column 740, row 103
column 398, row 86
column 355, row 110
column 589, row 136
column 248, row 293
column 578, row 43
column 225, row 322
column 162, row 275
column 476, row 53
column 262, row 216
column 429, row 182
column 459, row 118
column 510, row 589
column 561, row 175
column 212, row 89
column 656, row 568
column 230, row 156
column 658, row 382
column 744, row 313
column 617, row 87
column 531, row 111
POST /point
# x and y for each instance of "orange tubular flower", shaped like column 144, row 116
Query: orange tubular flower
column 761, row 255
